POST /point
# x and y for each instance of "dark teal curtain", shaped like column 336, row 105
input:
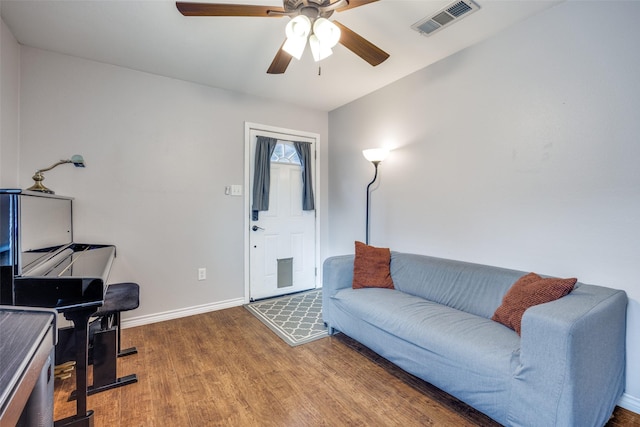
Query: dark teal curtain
column 262, row 173
column 304, row 152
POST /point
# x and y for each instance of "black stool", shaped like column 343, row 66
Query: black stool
column 105, row 337
column 119, row 297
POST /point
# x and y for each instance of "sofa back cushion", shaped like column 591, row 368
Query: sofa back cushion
column 474, row 288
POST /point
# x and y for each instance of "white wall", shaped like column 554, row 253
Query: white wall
column 9, row 106
column 159, row 153
column 520, row 152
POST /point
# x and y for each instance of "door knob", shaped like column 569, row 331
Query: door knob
column 256, row 228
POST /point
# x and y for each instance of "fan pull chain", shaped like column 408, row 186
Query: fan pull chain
column 319, row 71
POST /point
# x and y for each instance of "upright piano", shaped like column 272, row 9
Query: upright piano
column 41, row 266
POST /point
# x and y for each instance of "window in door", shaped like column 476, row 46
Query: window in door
column 286, row 153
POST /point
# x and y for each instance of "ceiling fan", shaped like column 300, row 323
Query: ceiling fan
column 311, row 13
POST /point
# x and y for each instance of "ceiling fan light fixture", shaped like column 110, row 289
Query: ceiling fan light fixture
column 305, row 17
column 327, row 32
column 297, row 32
column 298, row 27
column 319, row 50
column 294, row 47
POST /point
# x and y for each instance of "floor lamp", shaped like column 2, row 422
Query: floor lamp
column 375, row 156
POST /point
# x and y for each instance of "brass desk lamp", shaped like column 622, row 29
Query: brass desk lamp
column 38, row 177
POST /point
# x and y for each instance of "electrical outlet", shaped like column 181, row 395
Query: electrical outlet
column 202, row 273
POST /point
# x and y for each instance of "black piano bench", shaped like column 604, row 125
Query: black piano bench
column 119, row 297
column 105, row 337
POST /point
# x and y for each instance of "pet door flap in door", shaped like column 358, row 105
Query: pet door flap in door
column 285, row 272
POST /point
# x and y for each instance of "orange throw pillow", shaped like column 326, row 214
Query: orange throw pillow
column 527, row 291
column 371, row 267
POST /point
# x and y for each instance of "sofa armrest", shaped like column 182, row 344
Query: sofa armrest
column 337, row 274
column 572, row 359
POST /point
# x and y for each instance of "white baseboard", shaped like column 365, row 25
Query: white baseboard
column 629, row 402
column 176, row 314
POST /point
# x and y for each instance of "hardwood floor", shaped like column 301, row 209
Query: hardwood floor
column 227, row 368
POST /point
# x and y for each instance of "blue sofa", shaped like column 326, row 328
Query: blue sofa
column 566, row 369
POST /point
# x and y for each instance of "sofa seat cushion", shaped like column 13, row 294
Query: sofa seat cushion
column 467, row 340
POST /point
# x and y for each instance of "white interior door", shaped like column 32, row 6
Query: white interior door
column 282, row 241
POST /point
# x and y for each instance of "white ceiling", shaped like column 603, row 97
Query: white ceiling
column 234, row 52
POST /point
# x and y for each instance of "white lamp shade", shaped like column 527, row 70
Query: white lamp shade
column 294, row 47
column 319, row 50
column 297, row 31
column 299, row 27
column 375, row 154
column 327, row 32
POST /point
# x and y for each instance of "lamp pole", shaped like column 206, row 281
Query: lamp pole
column 375, row 156
column 375, row 164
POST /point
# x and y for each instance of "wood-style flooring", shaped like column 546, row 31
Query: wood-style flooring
column 225, row 368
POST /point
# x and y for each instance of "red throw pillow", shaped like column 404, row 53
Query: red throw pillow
column 371, row 267
column 527, row 291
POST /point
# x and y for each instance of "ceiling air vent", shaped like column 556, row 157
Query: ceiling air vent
column 445, row 17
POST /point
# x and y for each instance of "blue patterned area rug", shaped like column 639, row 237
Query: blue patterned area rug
column 297, row 318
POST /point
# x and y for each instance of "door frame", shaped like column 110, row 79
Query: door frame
column 248, row 187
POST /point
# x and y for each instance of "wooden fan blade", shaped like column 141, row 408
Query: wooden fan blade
column 355, row 3
column 280, row 62
column 360, row 46
column 213, row 9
